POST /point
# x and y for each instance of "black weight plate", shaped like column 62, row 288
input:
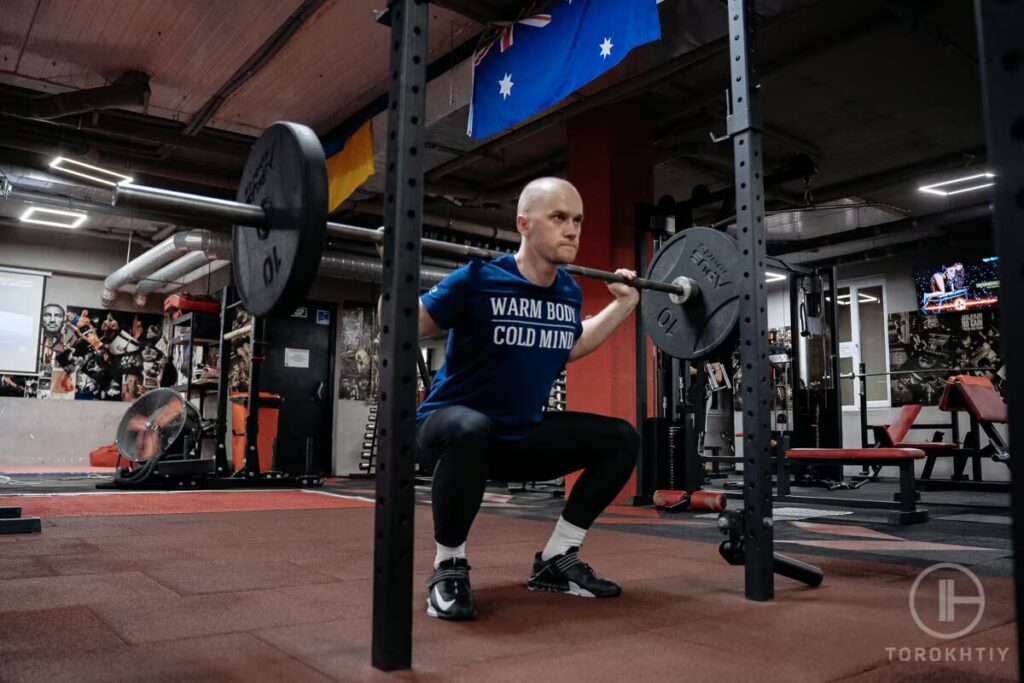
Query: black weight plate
column 286, row 174
column 694, row 329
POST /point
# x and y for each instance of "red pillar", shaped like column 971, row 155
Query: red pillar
column 610, row 159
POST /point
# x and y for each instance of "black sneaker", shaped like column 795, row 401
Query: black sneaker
column 448, row 592
column 567, row 573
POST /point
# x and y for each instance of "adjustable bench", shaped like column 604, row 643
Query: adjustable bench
column 907, row 511
column 894, row 435
column 979, row 399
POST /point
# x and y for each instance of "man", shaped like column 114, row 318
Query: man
column 52, row 322
column 53, row 319
column 513, row 324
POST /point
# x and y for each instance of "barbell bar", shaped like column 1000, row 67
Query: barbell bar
column 186, row 205
column 689, row 295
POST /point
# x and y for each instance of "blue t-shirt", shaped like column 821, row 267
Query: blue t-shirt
column 508, row 341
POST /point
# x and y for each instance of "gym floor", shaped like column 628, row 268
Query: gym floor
column 276, row 585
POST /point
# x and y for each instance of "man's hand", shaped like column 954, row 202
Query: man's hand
column 623, row 291
column 599, row 327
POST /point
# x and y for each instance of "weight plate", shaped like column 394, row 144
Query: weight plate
column 286, row 174
column 696, row 328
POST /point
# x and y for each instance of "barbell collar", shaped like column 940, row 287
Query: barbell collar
column 186, row 205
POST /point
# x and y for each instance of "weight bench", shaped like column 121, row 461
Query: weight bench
column 907, row 511
column 894, row 434
column 979, row 399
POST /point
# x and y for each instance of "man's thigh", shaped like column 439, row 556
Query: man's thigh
column 564, row 442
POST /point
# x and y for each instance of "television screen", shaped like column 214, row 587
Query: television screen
column 958, row 285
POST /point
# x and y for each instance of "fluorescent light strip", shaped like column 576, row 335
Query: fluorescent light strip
column 942, row 193
column 29, row 217
column 773, row 277
column 60, row 164
column 968, row 189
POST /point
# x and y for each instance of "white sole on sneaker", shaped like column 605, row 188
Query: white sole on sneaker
column 573, row 589
column 582, row 592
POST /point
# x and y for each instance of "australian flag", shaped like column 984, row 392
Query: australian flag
column 543, row 58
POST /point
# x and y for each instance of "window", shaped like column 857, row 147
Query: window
column 863, row 338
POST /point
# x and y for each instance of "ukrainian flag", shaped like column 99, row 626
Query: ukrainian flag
column 349, row 163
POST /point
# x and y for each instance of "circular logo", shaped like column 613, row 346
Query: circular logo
column 953, row 595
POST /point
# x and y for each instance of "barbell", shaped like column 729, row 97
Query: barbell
column 689, row 294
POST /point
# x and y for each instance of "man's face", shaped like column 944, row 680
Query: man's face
column 553, row 222
column 53, row 318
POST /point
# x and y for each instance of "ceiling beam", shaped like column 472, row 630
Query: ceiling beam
column 252, row 66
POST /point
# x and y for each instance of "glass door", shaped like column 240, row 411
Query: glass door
column 863, row 338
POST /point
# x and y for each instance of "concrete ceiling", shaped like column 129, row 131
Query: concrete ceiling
column 881, row 95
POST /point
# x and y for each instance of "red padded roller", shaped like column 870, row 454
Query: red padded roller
column 709, row 501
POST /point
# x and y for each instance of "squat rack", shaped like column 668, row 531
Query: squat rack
column 1000, row 23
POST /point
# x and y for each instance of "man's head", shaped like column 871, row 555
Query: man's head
column 53, row 318
column 549, row 218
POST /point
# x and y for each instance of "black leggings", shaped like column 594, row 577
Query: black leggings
column 463, row 444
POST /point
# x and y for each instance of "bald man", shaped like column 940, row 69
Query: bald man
column 513, row 323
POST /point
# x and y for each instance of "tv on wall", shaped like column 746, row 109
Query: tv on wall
column 958, row 285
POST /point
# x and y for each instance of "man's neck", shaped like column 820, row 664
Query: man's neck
column 537, row 270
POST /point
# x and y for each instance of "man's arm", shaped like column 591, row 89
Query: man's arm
column 427, row 327
column 600, row 327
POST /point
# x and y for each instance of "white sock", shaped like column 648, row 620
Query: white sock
column 565, row 536
column 446, row 553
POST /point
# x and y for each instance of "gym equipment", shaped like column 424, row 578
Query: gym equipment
column 979, row 399
column 159, row 433
column 286, row 175
column 732, row 523
column 11, row 522
column 691, row 300
column 278, row 244
column 907, row 511
column 983, row 400
column 158, row 422
column 678, row 501
column 698, row 256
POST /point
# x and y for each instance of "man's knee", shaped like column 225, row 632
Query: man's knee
column 471, row 427
column 626, row 440
column 458, row 428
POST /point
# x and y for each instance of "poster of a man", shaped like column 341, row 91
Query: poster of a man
column 52, row 339
column 52, row 319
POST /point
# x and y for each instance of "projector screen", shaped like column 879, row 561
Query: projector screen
column 21, row 303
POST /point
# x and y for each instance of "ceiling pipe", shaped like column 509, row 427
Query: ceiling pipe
column 333, row 264
column 205, row 271
column 200, row 249
column 455, row 225
column 129, row 89
column 147, row 262
column 370, row 269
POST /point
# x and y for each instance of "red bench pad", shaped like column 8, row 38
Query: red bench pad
column 927, row 445
column 854, row 454
column 976, row 395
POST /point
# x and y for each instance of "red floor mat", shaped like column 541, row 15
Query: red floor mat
column 174, row 502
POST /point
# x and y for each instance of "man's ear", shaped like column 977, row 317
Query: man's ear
column 522, row 224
